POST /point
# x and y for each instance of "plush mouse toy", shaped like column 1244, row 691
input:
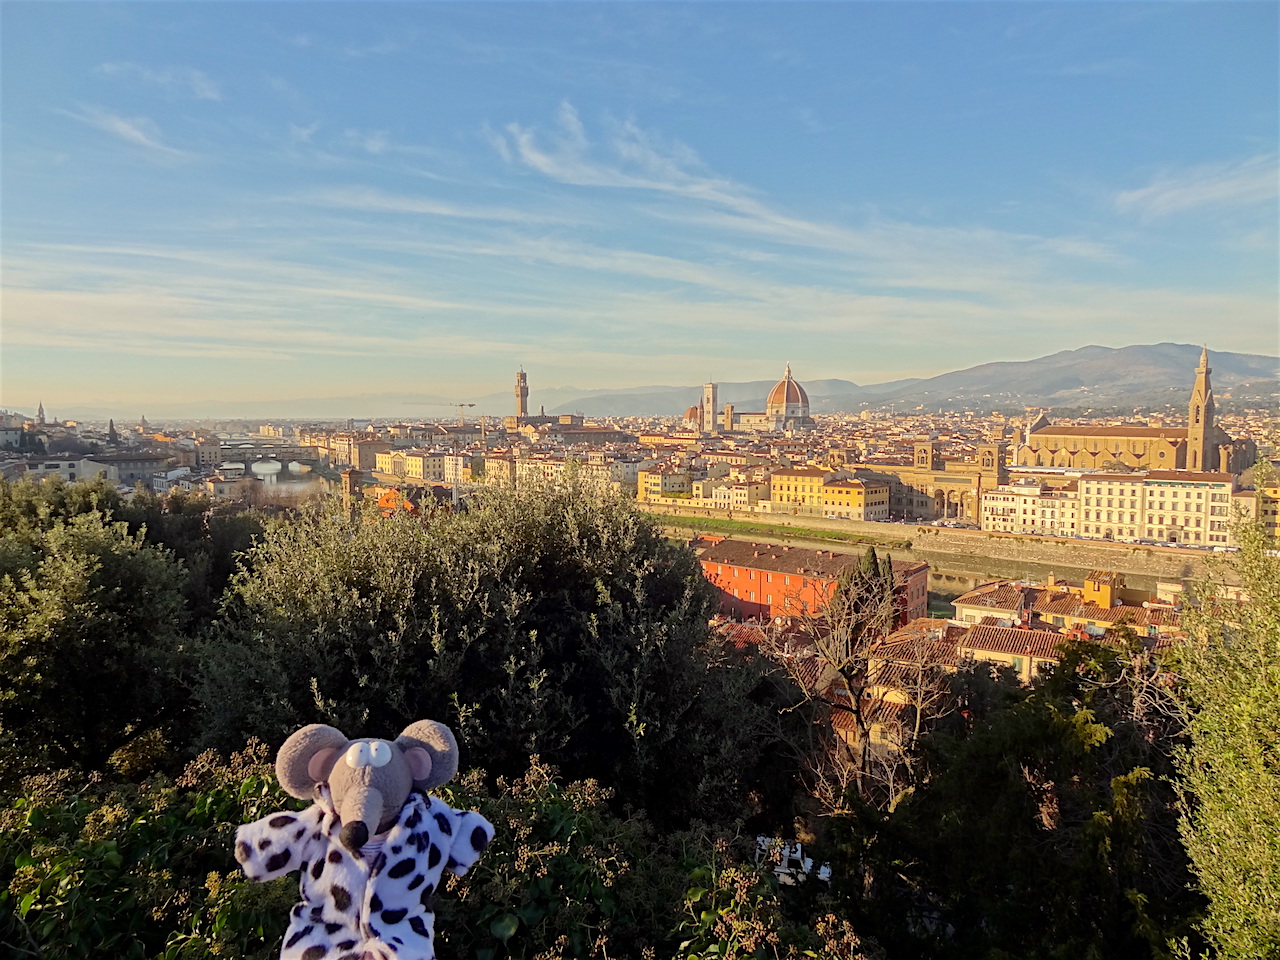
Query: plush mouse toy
column 372, row 849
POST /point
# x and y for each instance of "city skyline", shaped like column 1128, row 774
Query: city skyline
column 256, row 199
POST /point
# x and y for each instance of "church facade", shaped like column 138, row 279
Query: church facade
column 786, row 410
column 1202, row 445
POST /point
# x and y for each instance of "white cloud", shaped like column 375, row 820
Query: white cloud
column 1250, row 182
column 497, row 141
column 373, row 49
column 375, row 142
column 902, row 254
column 178, row 79
column 1117, row 67
column 139, row 131
column 376, row 201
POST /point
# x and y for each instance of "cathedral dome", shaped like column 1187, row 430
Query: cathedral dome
column 691, row 413
column 787, row 392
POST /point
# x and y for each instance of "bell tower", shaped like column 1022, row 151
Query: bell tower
column 1201, row 448
column 708, row 411
column 522, row 393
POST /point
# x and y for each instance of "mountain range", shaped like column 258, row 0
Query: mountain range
column 1092, row 377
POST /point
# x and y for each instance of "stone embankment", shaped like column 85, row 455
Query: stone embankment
column 960, row 559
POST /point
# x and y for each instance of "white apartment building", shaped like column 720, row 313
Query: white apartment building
column 1031, row 507
column 1166, row 506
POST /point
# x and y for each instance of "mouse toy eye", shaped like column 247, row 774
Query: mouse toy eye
column 380, row 753
column 358, row 755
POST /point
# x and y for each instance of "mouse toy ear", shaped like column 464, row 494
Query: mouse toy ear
column 306, row 758
column 439, row 743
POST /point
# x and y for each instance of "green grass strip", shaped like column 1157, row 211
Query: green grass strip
column 723, row 525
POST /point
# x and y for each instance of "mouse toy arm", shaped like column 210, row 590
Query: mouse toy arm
column 278, row 843
column 471, row 834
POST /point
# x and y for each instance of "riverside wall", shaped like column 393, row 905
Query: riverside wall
column 961, row 559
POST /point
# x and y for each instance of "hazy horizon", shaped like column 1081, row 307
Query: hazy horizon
column 423, row 403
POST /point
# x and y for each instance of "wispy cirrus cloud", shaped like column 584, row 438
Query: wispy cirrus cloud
column 899, row 254
column 1241, row 183
column 1117, row 67
column 381, row 49
column 185, row 80
column 140, row 131
column 376, row 142
column 371, row 200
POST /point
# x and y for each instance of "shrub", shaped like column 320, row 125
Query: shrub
column 556, row 622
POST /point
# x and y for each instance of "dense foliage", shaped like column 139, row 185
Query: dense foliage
column 1231, row 769
column 551, row 623
column 1060, row 787
column 143, row 870
column 557, row 630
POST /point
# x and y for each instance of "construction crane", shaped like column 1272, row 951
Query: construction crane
column 462, row 421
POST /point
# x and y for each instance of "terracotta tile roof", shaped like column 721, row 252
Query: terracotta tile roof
column 874, row 710
column 924, row 640
column 795, row 561
column 1169, row 433
column 1044, row 603
column 742, row 635
column 1013, row 641
column 808, row 671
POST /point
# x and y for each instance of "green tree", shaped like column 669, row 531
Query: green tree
column 211, row 539
column 1042, row 823
column 29, row 508
column 555, row 622
column 91, row 629
column 1230, row 690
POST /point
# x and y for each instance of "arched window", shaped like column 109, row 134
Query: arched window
column 1196, row 418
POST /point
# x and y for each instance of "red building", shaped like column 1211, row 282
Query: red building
column 759, row 580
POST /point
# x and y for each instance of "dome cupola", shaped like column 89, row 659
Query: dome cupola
column 787, row 399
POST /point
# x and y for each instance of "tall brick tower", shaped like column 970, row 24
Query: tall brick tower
column 1201, row 451
column 522, row 394
column 708, row 409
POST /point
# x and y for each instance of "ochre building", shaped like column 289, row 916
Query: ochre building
column 1202, row 445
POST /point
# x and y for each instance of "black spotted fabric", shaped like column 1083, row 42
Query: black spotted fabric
column 353, row 910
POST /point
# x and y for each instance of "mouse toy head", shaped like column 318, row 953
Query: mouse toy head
column 369, row 779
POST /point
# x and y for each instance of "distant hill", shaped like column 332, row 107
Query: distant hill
column 1145, row 375
column 1093, row 377
column 1090, row 377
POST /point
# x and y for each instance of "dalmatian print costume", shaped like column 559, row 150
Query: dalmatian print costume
column 353, row 909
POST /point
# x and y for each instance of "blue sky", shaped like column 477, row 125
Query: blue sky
column 281, row 200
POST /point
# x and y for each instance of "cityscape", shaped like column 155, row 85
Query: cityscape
column 1179, row 478
column 635, row 481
